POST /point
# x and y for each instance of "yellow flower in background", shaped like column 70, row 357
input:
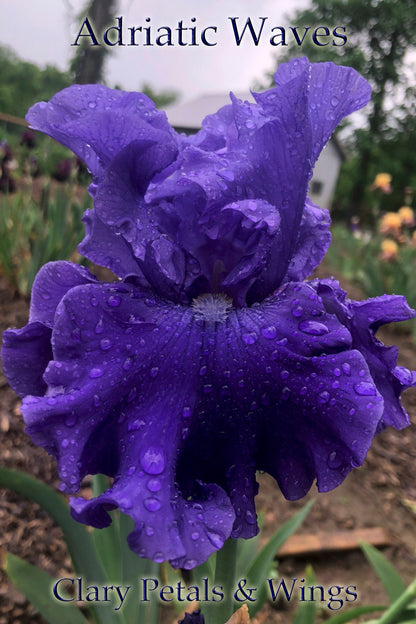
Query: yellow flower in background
column 389, row 249
column 382, row 182
column 406, row 215
column 390, row 223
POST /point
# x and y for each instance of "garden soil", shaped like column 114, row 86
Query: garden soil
column 380, row 494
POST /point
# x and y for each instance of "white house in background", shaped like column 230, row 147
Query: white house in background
column 187, row 117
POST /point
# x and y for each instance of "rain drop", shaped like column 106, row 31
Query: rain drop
column 269, row 332
column 105, row 343
column 324, row 397
column 114, row 301
column 297, row 311
column 313, row 328
column 99, row 328
column 335, row 460
column 96, row 372
column 152, row 504
column 186, row 412
column 159, row 557
column 346, row 368
column 216, row 540
column 71, row 419
column 154, row 485
column 365, row 388
column 127, row 363
column 249, row 337
column 153, row 460
column 250, row 517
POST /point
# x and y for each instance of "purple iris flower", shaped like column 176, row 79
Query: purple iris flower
column 211, row 357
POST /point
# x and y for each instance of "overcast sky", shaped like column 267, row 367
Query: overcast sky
column 42, row 31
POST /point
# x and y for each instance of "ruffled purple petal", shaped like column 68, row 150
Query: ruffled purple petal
column 102, row 246
column 312, row 242
column 334, row 91
column 96, row 122
column 363, row 318
column 26, row 352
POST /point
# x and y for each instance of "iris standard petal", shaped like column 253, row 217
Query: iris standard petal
column 96, row 122
column 312, row 242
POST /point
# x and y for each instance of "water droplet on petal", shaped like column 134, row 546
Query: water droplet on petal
column 65, row 443
column 114, row 301
column 297, row 310
column 284, row 374
column 71, row 419
column 195, row 535
column 96, row 372
column 216, row 540
column 335, row 460
column 159, row 557
column 153, row 460
column 99, row 328
column 250, row 517
column 285, row 393
column 152, row 504
column 346, row 368
column 249, row 337
column 365, row 388
column 203, row 371
column 313, row 328
column 186, row 412
column 105, row 343
column 127, row 363
column 154, row 485
column 269, row 332
column 324, row 397
column 154, row 372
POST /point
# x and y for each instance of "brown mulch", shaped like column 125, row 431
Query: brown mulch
column 381, row 493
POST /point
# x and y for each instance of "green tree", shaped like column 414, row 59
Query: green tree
column 23, row 83
column 379, row 33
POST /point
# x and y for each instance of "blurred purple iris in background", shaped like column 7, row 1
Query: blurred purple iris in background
column 211, row 357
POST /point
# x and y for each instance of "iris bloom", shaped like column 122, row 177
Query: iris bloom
column 382, row 182
column 389, row 250
column 407, row 216
column 211, row 357
column 391, row 223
